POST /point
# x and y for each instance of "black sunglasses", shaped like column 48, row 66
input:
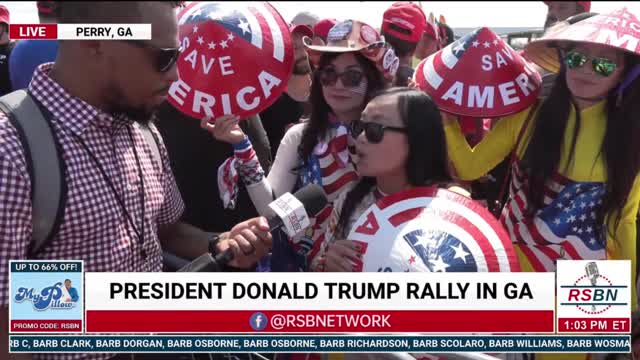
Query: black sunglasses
column 165, row 58
column 329, row 76
column 374, row 132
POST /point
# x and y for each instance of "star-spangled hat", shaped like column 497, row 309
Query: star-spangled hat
column 478, row 75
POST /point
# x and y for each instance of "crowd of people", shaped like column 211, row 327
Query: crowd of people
column 143, row 182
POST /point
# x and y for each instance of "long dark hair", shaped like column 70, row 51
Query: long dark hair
column 427, row 161
column 319, row 119
column 620, row 148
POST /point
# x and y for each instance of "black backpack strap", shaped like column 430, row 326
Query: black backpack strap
column 44, row 164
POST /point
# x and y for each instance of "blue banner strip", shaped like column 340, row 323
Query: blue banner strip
column 324, row 344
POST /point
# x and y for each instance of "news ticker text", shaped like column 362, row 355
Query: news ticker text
column 325, row 344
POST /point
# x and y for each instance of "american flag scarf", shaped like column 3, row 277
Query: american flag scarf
column 567, row 226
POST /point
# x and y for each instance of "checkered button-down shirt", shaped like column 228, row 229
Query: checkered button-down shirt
column 94, row 227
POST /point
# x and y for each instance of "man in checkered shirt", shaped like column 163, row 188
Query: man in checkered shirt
column 122, row 207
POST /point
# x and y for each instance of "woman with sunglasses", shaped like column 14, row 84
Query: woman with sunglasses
column 316, row 151
column 575, row 189
column 400, row 144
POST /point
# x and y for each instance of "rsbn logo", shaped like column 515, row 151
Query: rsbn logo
column 593, row 293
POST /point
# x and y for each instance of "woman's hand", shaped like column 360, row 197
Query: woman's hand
column 225, row 129
column 343, row 256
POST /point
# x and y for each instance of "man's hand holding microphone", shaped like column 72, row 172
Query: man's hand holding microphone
column 249, row 241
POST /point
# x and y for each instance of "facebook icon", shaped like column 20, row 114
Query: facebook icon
column 258, row 321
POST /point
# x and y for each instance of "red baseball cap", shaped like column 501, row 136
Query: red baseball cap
column 586, row 5
column 302, row 29
column 4, row 15
column 407, row 16
column 322, row 28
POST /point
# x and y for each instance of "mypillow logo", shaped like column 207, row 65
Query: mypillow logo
column 594, row 288
column 258, row 321
column 57, row 296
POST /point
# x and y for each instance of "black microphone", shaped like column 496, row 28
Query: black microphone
column 288, row 214
column 208, row 263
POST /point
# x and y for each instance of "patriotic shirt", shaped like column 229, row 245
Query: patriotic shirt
column 330, row 165
column 566, row 227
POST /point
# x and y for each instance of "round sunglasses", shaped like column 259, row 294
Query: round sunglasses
column 164, row 58
column 601, row 66
column 350, row 78
column 374, row 132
